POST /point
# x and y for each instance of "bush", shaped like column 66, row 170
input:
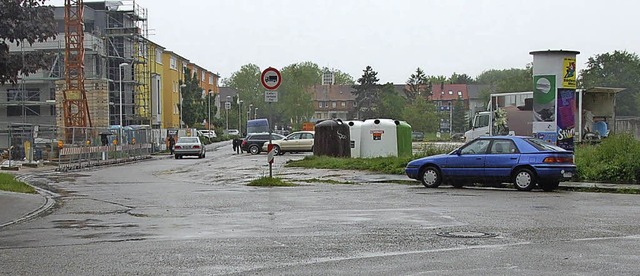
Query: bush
column 612, row 160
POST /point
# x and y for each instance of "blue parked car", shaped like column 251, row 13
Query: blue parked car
column 523, row 161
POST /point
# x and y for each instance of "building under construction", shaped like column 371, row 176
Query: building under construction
column 116, row 72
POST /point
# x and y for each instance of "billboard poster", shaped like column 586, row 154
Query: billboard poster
column 566, row 117
column 544, row 98
column 569, row 73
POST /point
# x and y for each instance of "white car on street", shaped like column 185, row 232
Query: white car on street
column 207, row 133
column 299, row 141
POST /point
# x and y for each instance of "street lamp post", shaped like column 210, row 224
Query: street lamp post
column 120, row 72
column 120, row 69
column 249, row 115
column 181, row 107
column 240, row 117
column 209, row 114
column 227, row 107
column 450, row 119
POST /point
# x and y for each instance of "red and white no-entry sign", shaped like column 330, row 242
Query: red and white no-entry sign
column 271, row 78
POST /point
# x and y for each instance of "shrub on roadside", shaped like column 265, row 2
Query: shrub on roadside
column 612, row 160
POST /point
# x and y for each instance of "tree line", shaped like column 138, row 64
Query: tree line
column 29, row 21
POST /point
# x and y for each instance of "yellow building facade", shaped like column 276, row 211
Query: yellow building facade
column 173, row 66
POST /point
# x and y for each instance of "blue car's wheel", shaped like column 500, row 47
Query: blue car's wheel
column 430, row 177
column 524, row 179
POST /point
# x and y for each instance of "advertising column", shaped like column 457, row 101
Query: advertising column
column 554, row 97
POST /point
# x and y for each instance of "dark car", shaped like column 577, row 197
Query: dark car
column 254, row 141
column 523, row 161
column 417, row 136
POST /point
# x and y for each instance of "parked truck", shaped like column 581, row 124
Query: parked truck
column 507, row 114
column 514, row 114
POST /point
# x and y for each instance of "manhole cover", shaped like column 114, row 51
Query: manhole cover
column 466, row 234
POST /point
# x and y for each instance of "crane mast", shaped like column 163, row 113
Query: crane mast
column 75, row 107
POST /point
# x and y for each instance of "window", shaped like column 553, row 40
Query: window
column 355, row 104
column 159, row 56
column 195, row 72
column 204, row 76
column 459, row 93
column 476, row 147
column 172, row 63
column 320, row 104
column 333, row 104
column 503, row 147
column 211, row 79
column 450, row 92
column 343, row 104
column 29, row 110
column 442, row 93
column 23, row 95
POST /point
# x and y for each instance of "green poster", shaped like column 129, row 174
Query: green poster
column 544, row 98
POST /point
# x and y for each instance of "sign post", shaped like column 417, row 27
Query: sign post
column 271, row 80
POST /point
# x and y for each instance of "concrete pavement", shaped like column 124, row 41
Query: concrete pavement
column 18, row 207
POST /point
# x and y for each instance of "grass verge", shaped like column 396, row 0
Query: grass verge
column 9, row 183
column 270, row 182
column 386, row 165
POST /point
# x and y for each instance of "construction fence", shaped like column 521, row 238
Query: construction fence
column 76, row 148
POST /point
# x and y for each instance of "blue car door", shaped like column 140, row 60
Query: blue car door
column 471, row 160
column 502, row 157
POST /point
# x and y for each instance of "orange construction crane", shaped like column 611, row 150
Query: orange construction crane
column 76, row 108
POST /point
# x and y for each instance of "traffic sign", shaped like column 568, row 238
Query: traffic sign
column 227, row 105
column 271, row 78
column 270, row 96
column 270, row 153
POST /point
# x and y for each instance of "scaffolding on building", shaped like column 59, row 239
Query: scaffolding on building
column 127, row 44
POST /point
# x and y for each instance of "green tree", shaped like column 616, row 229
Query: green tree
column 418, row 84
column 391, row 104
column 296, row 104
column 367, row 92
column 460, row 79
column 508, row 80
column 617, row 69
column 194, row 107
column 247, row 82
column 459, row 116
column 421, row 115
column 24, row 21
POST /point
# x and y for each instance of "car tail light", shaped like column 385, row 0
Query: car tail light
column 244, row 142
column 178, row 147
column 196, row 147
column 558, row 159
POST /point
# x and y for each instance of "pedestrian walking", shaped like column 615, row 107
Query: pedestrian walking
column 172, row 143
column 235, row 145
column 238, row 144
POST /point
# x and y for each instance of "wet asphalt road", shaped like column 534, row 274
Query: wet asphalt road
column 197, row 216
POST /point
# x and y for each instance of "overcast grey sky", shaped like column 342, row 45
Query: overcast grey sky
column 394, row 37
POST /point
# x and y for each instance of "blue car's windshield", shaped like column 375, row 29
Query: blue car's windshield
column 541, row 145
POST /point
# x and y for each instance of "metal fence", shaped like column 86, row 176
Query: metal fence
column 74, row 148
column 71, row 158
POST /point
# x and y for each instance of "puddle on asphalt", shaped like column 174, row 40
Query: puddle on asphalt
column 88, row 223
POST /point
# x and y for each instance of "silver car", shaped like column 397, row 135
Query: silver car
column 189, row 146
